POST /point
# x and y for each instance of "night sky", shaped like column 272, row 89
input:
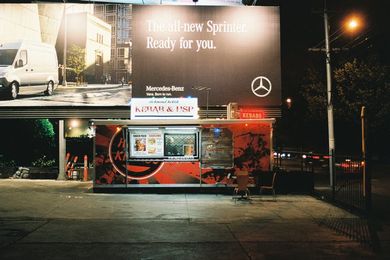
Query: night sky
column 302, row 27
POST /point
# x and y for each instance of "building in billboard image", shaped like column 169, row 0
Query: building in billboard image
column 87, row 44
column 33, row 22
column 119, row 17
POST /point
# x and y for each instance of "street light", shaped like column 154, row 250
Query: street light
column 352, row 24
column 288, row 101
column 207, row 89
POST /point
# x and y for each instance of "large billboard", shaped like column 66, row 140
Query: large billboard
column 219, row 54
column 94, row 55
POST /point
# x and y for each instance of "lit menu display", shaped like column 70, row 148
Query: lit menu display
column 166, row 144
column 146, row 143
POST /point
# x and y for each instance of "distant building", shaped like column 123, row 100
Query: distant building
column 119, row 16
column 94, row 36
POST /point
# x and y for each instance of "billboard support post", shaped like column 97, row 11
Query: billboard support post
column 62, row 151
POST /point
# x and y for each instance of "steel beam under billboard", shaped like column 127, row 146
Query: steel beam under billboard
column 231, row 52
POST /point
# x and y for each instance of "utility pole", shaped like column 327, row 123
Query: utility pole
column 329, row 100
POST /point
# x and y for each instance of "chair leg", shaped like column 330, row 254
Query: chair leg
column 236, row 195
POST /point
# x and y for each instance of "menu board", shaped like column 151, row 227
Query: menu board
column 164, row 143
column 217, row 148
column 146, row 143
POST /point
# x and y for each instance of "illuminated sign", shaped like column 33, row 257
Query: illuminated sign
column 146, row 143
column 251, row 114
column 164, row 108
column 167, row 144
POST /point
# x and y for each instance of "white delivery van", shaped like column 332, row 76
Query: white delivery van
column 28, row 68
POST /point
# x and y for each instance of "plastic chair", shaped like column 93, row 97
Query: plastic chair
column 270, row 187
column 242, row 185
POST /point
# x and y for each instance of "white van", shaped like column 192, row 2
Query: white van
column 28, row 68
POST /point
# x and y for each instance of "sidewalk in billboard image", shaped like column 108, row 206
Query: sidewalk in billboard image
column 63, row 220
column 81, row 95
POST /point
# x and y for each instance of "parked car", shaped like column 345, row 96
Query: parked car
column 28, row 68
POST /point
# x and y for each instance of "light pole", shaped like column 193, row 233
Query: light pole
column 64, row 83
column 331, row 139
column 352, row 24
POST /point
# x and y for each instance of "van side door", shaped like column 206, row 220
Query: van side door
column 22, row 68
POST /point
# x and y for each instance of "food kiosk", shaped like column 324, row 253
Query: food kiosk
column 183, row 153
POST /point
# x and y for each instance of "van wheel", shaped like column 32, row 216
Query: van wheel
column 50, row 88
column 13, row 90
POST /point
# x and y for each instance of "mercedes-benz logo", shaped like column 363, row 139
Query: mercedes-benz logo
column 261, row 86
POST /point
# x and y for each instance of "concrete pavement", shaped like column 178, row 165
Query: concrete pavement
column 61, row 220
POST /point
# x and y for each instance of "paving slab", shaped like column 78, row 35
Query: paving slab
column 63, row 220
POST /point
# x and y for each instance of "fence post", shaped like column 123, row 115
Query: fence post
column 332, row 165
column 366, row 174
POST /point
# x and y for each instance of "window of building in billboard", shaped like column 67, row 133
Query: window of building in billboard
column 121, row 64
column 110, row 19
column 98, row 9
column 110, row 8
column 99, row 38
column 113, row 52
column 121, row 52
column 99, row 59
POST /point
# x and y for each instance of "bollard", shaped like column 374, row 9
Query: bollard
column 85, row 168
column 68, row 162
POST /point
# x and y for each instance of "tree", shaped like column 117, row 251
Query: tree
column 76, row 61
column 25, row 140
column 363, row 84
column 356, row 84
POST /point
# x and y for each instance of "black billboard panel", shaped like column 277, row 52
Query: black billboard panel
column 225, row 54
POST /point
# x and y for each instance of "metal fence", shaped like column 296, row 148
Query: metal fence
column 351, row 186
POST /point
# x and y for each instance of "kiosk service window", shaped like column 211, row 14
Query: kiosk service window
column 165, row 144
